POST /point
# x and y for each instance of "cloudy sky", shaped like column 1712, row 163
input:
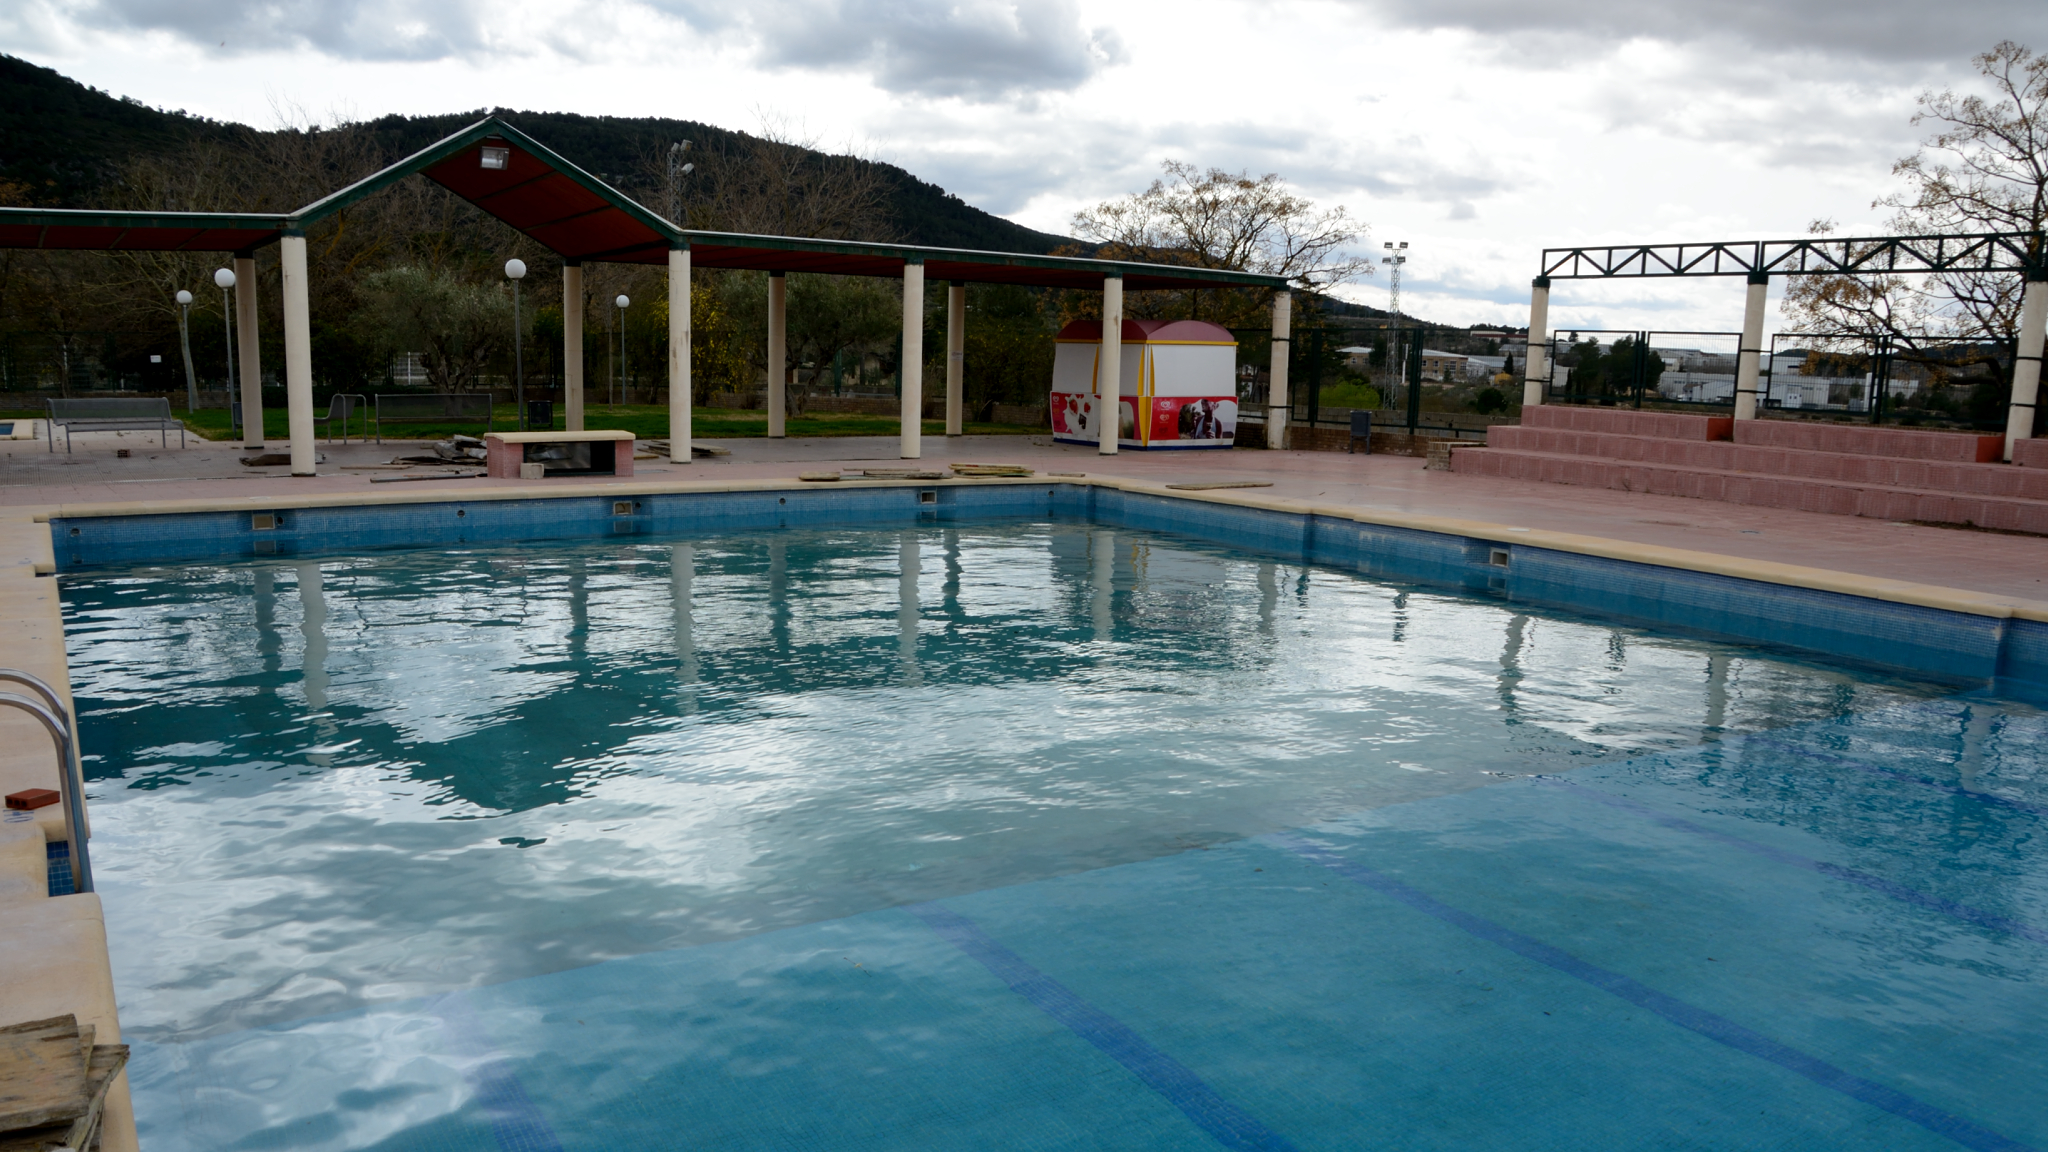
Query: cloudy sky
column 1480, row 131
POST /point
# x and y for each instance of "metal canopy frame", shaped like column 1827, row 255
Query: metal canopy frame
column 581, row 218
column 2021, row 252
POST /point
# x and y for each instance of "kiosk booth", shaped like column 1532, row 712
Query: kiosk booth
column 1181, row 374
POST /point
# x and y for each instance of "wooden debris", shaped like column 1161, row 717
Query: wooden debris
column 991, row 470
column 42, row 1073
column 901, row 474
column 1205, row 485
column 1066, row 473
column 102, row 1062
column 819, row 477
column 660, row 447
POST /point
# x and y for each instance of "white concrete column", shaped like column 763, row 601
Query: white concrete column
column 2026, row 368
column 1748, row 372
column 1536, row 358
column 778, row 353
column 1109, row 366
column 1276, row 372
column 911, row 371
column 248, row 351
column 679, row 398
column 298, row 354
column 956, row 353
column 572, row 347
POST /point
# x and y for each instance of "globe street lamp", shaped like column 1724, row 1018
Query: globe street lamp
column 184, row 299
column 225, row 277
column 620, row 315
column 515, row 271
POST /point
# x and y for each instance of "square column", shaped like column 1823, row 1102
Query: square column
column 298, row 353
column 911, row 371
column 679, row 398
column 2026, row 365
column 956, row 353
column 778, row 353
column 572, row 347
column 249, row 351
column 1748, row 371
column 1109, row 367
column 1277, row 408
column 1536, row 357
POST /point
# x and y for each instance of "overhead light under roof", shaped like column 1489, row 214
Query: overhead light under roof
column 496, row 158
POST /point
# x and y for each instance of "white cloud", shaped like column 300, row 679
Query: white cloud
column 1480, row 130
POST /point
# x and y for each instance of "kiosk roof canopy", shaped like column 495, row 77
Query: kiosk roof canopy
column 556, row 204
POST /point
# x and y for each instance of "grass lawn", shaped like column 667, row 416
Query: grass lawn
column 647, row 421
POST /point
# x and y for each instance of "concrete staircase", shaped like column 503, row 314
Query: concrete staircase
column 1846, row 469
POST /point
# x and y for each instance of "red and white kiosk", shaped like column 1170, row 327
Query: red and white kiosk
column 1182, row 374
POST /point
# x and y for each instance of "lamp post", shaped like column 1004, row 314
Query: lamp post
column 515, row 271
column 225, row 277
column 184, row 299
column 676, row 171
column 619, row 314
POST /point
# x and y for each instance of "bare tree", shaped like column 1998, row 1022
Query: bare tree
column 1217, row 219
column 1984, row 169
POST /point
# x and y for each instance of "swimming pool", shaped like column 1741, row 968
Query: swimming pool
column 1039, row 834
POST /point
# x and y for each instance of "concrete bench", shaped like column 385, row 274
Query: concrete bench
column 600, row 452
column 113, row 414
column 432, row 408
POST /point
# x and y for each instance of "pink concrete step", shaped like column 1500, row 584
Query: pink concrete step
column 1864, row 440
column 1999, row 480
column 2028, row 453
column 1807, row 494
column 1626, row 422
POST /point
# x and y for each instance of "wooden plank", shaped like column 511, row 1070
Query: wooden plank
column 82, row 1132
column 42, row 1074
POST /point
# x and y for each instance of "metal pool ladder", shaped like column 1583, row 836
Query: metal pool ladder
column 50, row 710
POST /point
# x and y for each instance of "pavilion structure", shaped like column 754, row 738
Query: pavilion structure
column 514, row 178
column 2023, row 254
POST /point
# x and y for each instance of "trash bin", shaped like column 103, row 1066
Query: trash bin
column 1361, row 429
column 540, row 416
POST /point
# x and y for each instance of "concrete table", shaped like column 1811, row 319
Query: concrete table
column 599, row 452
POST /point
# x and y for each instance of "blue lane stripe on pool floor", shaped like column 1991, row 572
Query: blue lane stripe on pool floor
column 1716, row 1028
column 1231, row 1126
column 1965, row 912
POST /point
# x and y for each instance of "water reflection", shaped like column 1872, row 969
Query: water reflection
column 524, row 758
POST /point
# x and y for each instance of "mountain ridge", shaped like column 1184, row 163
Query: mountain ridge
column 62, row 142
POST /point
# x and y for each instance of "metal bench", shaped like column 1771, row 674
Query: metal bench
column 433, row 408
column 113, row 414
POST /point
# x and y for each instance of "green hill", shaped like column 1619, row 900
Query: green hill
column 61, row 142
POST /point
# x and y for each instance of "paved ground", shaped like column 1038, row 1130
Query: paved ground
column 2007, row 565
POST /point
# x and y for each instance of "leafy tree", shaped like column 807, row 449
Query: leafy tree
column 455, row 326
column 1611, row 373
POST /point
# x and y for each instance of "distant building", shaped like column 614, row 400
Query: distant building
column 1356, row 357
column 1443, row 365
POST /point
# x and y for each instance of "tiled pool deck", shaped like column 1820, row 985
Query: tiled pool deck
column 1575, row 537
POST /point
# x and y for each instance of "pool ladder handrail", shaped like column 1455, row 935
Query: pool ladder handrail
column 70, row 772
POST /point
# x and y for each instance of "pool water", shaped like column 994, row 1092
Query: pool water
column 1032, row 835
